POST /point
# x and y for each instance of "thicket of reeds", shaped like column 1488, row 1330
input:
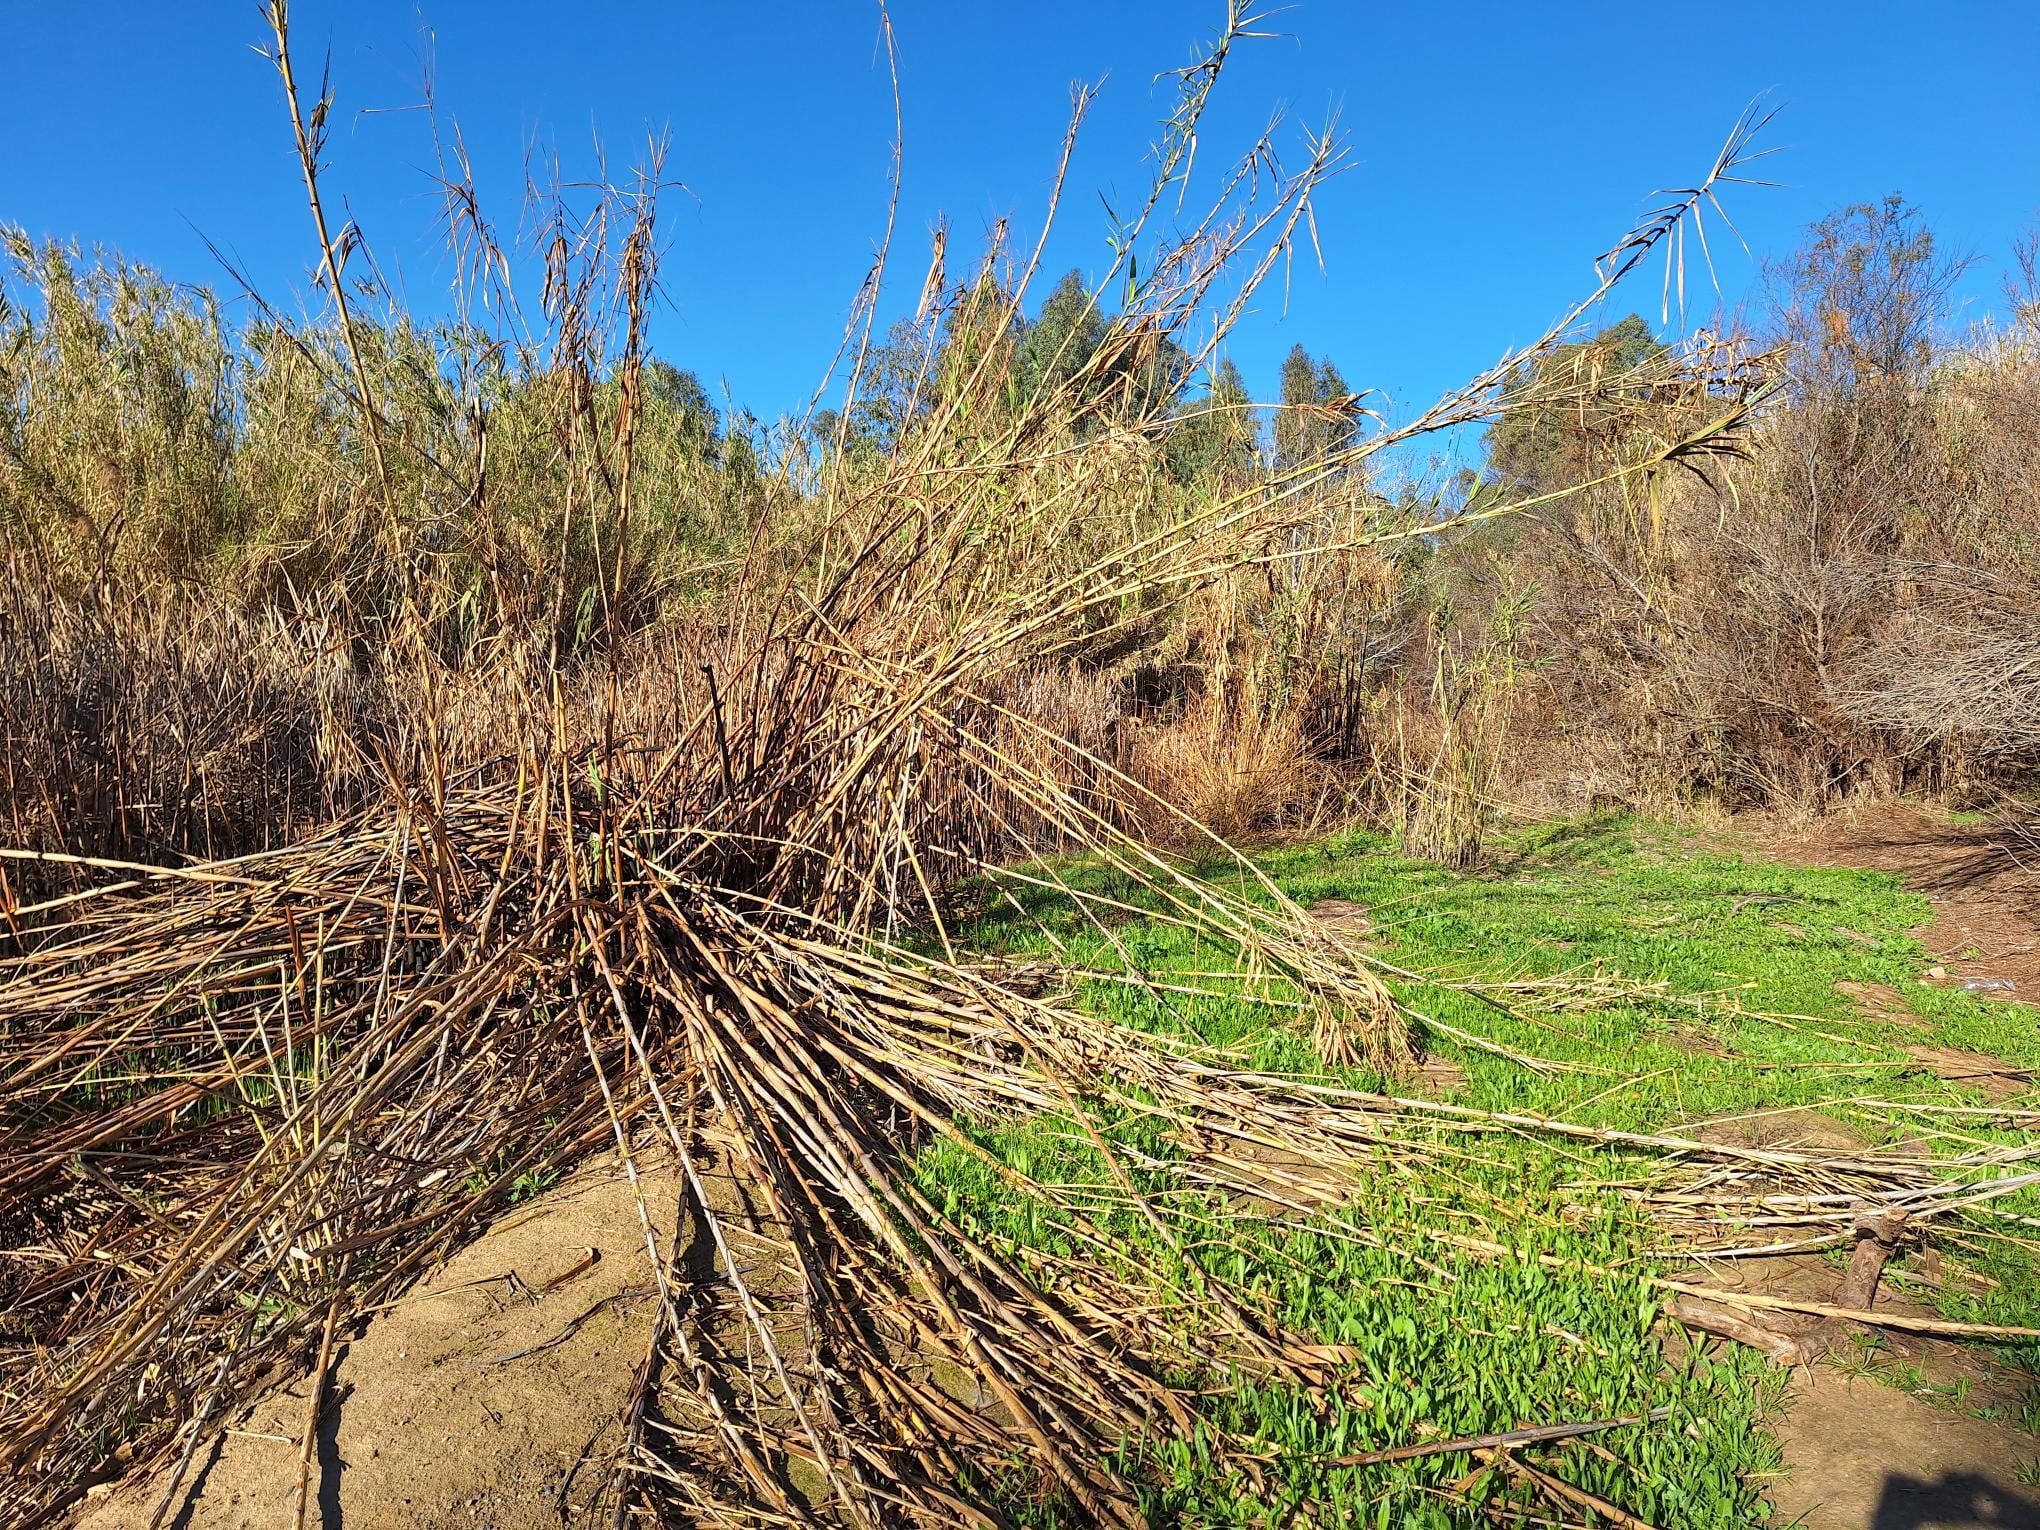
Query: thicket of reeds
column 423, row 750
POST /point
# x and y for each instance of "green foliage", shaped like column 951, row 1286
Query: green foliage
column 1217, row 438
column 682, row 405
column 143, row 444
column 1315, row 419
column 1062, row 342
column 1070, row 362
column 117, row 415
column 893, row 392
column 1565, row 411
column 1445, row 1343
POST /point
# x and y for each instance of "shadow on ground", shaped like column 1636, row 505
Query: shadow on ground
column 1953, row 1501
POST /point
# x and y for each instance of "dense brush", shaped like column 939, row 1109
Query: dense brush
column 539, row 839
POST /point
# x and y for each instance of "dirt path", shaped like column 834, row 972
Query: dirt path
column 487, row 1399
column 1983, row 880
column 1916, row 1434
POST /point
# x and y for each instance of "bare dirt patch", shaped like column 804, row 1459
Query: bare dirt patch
column 1891, row 1433
column 1993, row 1077
column 488, row 1398
column 1438, row 1078
column 1694, row 1039
column 1353, row 924
column 1983, row 880
column 1348, row 920
column 1880, row 1001
column 1879, row 1459
column 1798, row 1129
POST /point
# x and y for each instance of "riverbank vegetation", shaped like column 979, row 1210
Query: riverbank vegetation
column 438, row 752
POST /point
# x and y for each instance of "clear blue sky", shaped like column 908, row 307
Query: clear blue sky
column 1499, row 145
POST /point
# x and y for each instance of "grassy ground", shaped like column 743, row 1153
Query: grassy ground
column 1717, row 1000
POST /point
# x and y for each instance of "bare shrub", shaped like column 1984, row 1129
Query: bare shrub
column 1840, row 610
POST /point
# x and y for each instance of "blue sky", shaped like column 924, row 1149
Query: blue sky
column 1497, row 146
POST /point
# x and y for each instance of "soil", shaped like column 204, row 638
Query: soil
column 1880, row 1001
column 1892, row 1437
column 1889, row 1461
column 1344, row 918
column 1994, row 1078
column 488, row 1398
column 1983, row 880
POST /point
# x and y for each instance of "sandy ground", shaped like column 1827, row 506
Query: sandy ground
column 489, row 1398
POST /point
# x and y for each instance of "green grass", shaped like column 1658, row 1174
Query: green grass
column 1444, row 1344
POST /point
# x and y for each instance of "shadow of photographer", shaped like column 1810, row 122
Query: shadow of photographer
column 1954, row 1501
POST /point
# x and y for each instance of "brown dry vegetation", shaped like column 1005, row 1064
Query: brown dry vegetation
column 1847, row 609
column 428, row 746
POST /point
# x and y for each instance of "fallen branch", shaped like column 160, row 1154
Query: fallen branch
column 1578, row 1497
column 1781, row 1347
column 1876, row 1237
column 1541, row 1435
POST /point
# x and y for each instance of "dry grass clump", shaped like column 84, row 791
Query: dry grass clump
column 1237, row 766
column 167, row 729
